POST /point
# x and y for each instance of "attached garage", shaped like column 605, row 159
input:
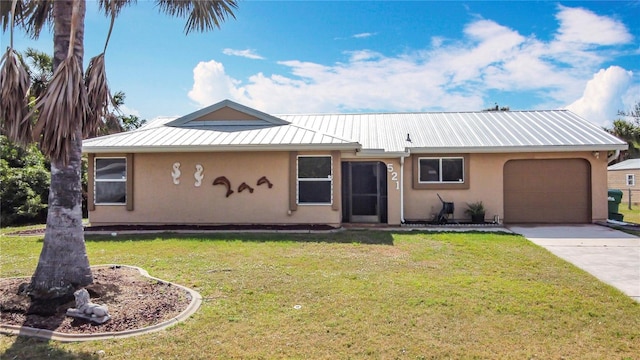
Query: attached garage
column 547, row 191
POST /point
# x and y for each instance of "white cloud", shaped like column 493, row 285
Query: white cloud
column 578, row 25
column 211, row 84
column 246, row 53
column 604, row 95
column 452, row 75
column 362, row 35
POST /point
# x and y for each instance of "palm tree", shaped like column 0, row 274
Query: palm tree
column 40, row 72
column 71, row 106
column 39, row 66
column 627, row 128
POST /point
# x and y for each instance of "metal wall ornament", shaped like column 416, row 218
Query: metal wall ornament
column 264, row 180
column 175, row 173
column 222, row 180
column 198, row 175
column 243, row 187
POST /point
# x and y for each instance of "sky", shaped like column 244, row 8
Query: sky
column 289, row 57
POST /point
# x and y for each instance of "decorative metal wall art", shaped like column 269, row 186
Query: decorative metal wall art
column 264, row 180
column 175, row 173
column 244, row 186
column 222, row 180
column 198, row 175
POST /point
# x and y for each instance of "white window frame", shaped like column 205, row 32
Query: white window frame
column 96, row 180
column 631, row 179
column 440, row 181
column 299, row 180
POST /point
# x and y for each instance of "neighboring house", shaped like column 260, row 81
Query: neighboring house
column 625, row 176
column 230, row 164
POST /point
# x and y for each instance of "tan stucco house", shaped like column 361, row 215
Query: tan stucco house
column 231, row 164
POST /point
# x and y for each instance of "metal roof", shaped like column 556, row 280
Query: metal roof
column 485, row 131
column 631, row 164
column 373, row 134
column 187, row 139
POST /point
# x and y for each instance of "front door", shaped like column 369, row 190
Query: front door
column 364, row 192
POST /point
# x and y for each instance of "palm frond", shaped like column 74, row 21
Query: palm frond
column 111, row 125
column 14, row 87
column 113, row 7
column 31, row 15
column 62, row 109
column 97, row 95
column 117, row 99
column 201, row 15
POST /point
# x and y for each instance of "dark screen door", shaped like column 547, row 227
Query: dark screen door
column 365, row 191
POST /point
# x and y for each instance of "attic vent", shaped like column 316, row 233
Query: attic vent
column 408, row 138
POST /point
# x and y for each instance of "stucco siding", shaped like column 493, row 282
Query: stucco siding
column 157, row 200
column 485, row 176
column 393, row 191
column 485, row 184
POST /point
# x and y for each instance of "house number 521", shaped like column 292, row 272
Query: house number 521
column 394, row 175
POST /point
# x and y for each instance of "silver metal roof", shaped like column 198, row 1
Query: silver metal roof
column 631, row 164
column 486, row 131
column 373, row 134
column 187, row 139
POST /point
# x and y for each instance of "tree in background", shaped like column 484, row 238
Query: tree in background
column 627, row 128
column 115, row 121
column 40, row 69
column 69, row 108
column 24, row 175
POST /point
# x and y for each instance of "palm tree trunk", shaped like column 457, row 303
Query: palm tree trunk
column 63, row 265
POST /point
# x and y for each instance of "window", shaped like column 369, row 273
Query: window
column 110, row 181
column 631, row 180
column 314, row 180
column 441, row 170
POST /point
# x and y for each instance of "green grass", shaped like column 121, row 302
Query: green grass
column 632, row 215
column 361, row 295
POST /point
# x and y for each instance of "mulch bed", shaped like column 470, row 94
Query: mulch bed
column 185, row 228
column 134, row 301
column 195, row 228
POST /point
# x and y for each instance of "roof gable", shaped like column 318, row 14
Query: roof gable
column 227, row 116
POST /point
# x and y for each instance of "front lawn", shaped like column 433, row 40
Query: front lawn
column 356, row 294
column 632, row 215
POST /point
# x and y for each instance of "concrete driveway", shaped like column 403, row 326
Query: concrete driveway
column 610, row 255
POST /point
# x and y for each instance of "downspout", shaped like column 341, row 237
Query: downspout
column 402, row 187
column 402, row 190
column 613, row 157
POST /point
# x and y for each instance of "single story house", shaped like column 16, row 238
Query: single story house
column 625, row 176
column 231, row 164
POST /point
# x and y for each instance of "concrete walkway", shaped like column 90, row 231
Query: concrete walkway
column 610, row 255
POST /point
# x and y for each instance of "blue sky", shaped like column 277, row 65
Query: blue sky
column 372, row 56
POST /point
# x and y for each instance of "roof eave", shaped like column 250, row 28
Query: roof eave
column 219, row 148
column 517, row 149
column 379, row 153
